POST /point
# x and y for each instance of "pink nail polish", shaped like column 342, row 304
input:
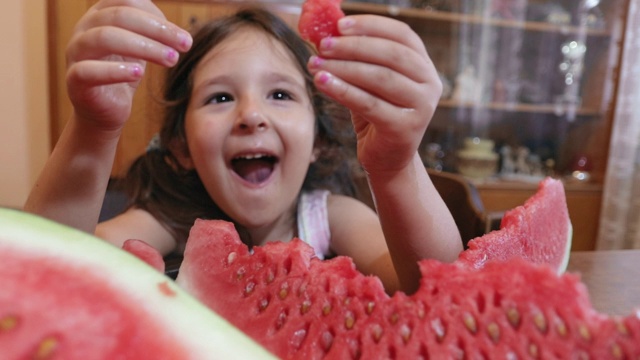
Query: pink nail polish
column 345, row 23
column 171, row 55
column 327, row 43
column 316, row 61
column 136, row 70
column 185, row 40
column 324, row 77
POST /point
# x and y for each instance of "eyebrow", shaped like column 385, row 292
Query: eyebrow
column 271, row 77
column 282, row 77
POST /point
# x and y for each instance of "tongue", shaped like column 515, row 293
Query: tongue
column 254, row 171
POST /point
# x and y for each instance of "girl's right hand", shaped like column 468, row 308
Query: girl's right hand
column 107, row 55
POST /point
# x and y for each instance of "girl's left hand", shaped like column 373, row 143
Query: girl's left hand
column 379, row 69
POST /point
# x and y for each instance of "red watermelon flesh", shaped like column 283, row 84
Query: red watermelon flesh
column 539, row 231
column 319, row 19
column 300, row 307
column 67, row 295
column 145, row 252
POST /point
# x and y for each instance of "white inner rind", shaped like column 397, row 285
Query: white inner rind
column 567, row 250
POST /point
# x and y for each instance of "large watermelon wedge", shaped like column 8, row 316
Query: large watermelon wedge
column 67, row 295
column 300, row 307
column 501, row 299
column 539, row 231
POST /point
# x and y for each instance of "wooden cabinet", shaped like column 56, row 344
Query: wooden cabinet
column 536, row 78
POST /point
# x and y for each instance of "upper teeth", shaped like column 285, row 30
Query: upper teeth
column 253, row 156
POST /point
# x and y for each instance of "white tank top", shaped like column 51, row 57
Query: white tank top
column 313, row 221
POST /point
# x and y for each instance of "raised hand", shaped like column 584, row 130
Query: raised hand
column 380, row 69
column 107, row 55
column 106, row 58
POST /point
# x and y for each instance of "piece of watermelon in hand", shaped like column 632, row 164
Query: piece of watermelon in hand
column 145, row 252
column 319, row 19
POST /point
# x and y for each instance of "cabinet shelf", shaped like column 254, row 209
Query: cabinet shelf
column 509, row 185
column 435, row 15
column 520, row 107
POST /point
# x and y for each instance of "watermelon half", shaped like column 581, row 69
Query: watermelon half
column 503, row 297
column 300, row 307
column 67, row 295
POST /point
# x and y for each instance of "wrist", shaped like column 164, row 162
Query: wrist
column 93, row 132
column 401, row 175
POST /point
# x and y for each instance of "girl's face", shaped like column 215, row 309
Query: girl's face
column 250, row 129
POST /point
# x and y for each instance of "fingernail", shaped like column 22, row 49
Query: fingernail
column 327, row 43
column 136, row 70
column 171, row 55
column 316, row 61
column 324, row 77
column 185, row 40
column 345, row 23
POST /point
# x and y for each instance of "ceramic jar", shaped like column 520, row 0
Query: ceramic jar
column 477, row 159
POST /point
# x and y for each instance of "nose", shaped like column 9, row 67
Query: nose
column 251, row 117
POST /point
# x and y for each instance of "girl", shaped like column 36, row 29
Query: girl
column 247, row 136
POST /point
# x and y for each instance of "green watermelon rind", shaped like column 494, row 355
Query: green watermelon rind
column 189, row 323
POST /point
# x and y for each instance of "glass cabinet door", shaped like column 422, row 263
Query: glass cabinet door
column 528, row 84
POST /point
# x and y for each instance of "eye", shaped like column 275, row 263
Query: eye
column 281, row 95
column 219, row 98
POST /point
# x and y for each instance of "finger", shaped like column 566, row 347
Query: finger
column 104, row 42
column 356, row 99
column 381, row 27
column 96, row 73
column 381, row 82
column 146, row 5
column 382, row 52
column 144, row 22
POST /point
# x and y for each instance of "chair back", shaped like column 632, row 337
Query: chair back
column 464, row 202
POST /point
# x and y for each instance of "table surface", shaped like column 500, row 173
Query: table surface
column 612, row 278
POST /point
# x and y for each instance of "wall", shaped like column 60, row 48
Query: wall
column 24, row 105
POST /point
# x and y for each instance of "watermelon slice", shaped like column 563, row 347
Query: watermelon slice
column 300, row 307
column 319, row 19
column 145, row 252
column 539, row 231
column 67, row 295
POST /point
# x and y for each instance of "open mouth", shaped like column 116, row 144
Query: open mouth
column 255, row 168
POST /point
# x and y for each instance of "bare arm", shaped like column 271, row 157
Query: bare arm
column 136, row 224
column 106, row 58
column 417, row 224
column 356, row 232
column 72, row 185
column 380, row 69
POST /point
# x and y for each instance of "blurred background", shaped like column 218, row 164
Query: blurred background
column 24, row 98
